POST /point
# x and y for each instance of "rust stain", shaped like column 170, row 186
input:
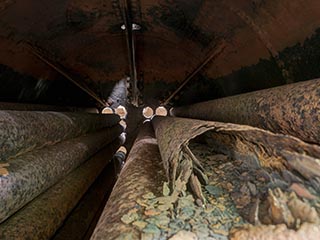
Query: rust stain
column 3, row 169
column 291, row 109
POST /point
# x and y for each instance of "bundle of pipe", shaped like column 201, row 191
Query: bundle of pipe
column 39, row 149
column 41, row 218
column 23, row 131
column 290, row 109
column 84, row 217
column 142, row 173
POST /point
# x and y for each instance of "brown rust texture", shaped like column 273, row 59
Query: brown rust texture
column 214, row 167
column 290, row 109
column 280, row 232
column 32, row 173
column 44, row 215
column 255, row 146
column 24, row 131
column 181, row 32
column 142, row 173
column 84, row 216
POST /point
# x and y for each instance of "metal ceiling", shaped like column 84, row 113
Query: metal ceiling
column 267, row 43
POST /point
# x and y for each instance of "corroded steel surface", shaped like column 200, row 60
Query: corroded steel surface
column 182, row 33
column 225, row 167
column 279, row 232
column 256, row 146
column 142, row 173
column 256, row 150
column 291, row 109
column 23, row 131
column 44, row 215
column 32, row 173
column 80, row 220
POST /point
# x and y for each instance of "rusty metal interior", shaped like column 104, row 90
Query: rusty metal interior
column 239, row 80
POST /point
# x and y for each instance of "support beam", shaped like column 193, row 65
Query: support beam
column 217, row 51
column 44, row 215
column 141, row 174
column 41, row 107
column 32, row 173
column 290, row 109
column 60, row 71
column 23, row 131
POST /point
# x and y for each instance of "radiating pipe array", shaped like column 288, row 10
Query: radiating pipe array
column 183, row 178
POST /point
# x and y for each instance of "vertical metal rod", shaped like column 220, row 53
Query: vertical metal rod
column 213, row 55
column 126, row 12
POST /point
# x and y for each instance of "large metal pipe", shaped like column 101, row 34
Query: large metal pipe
column 32, row 173
column 135, row 211
column 126, row 14
column 141, row 174
column 23, row 131
column 79, row 222
column 44, row 215
column 290, row 109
